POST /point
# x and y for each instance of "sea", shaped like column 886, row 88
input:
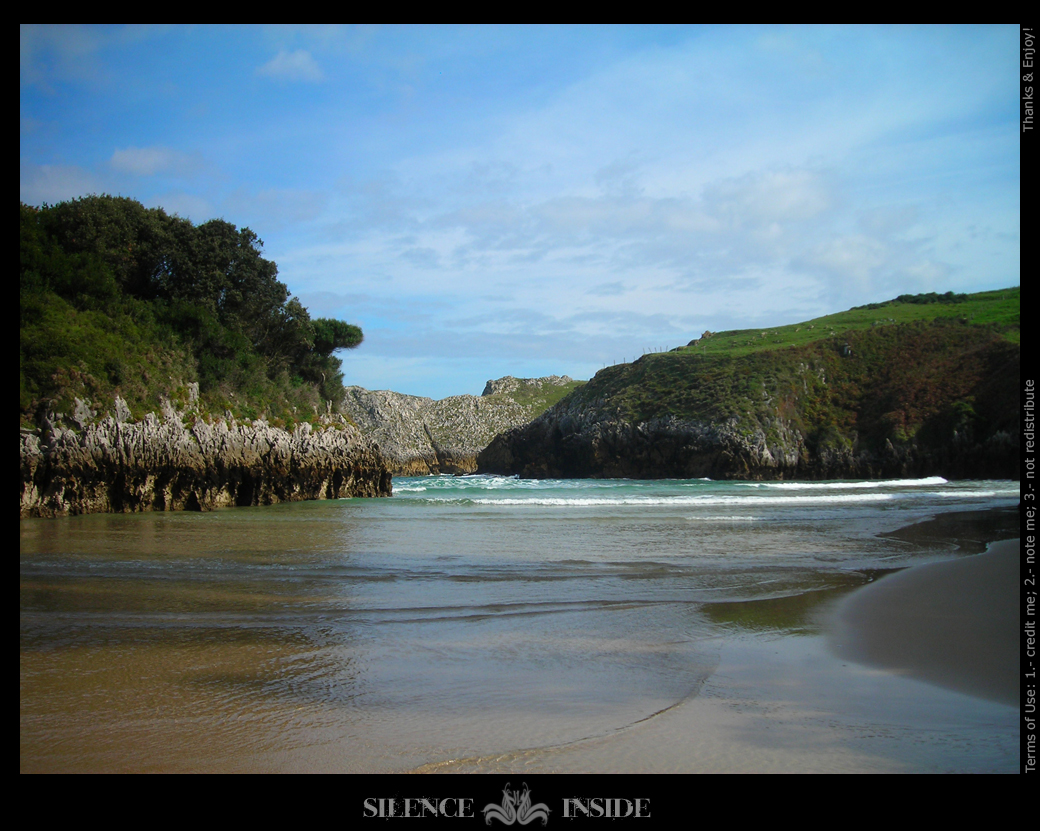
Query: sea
column 493, row 624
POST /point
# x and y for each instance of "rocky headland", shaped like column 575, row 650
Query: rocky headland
column 180, row 461
column 585, row 443
column 420, row 435
column 902, row 400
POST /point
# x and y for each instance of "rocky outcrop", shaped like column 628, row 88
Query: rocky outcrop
column 419, row 435
column 160, row 464
column 564, row 443
column 509, row 385
column 911, row 401
column 579, row 441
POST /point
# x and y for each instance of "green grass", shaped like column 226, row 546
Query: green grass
column 538, row 400
column 999, row 309
column 891, row 372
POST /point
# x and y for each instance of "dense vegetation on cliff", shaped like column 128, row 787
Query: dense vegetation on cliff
column 886, row 370
column 996, row 309
column 921, row 384
column 119, row 299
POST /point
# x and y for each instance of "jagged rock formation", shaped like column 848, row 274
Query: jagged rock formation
column 421, row 436
column 567, row 443
column 159, row 464
column 911, row 401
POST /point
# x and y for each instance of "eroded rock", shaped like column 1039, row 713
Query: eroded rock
column 420, row 435
column 115, row 465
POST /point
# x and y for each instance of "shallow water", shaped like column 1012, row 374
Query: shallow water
column 479, row 623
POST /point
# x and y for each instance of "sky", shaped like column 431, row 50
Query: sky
column 488, row 201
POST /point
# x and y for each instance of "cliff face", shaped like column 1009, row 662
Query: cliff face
column 912, row 401
column 421, row 436
column 113, row 465
column 565, row 444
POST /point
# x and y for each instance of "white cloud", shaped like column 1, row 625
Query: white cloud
column 293, row 66
column 928, row 275
column 148, row 161
column 854, row 257
column 50, row 53
column 615, row 189
column 55, row 183
column 766, row 197
column 608, row 289
column 275, row 209
column 47, row 52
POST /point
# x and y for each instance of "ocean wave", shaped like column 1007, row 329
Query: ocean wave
column 930, row 481
column 583, row 502
column 593, row 493
column 972, row 494
column 725, row 518
column 481, row 481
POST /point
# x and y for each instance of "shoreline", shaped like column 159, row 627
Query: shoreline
column 786, row 701
column 765, row 692
column 952, row 623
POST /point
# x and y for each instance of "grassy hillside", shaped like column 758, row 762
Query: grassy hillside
column 998, row 309
column 929, row 368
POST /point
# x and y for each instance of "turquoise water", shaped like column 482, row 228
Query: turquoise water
column 463, row 620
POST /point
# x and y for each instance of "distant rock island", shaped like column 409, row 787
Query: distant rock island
column 420, row 436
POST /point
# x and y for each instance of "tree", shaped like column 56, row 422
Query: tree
column 129, row 238
column 330, row 335
column 206, row 288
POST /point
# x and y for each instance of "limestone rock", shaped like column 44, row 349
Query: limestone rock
column 422, row 435
column 576, row 439
column 509, row 384
column 115, row 465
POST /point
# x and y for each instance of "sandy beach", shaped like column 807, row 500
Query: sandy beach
column 914, row 672
column 954, row 624
column 570, row 627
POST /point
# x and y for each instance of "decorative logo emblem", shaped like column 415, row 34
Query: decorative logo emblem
column 516, row 807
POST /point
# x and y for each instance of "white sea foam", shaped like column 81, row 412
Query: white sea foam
column 970, row 494
column 606, row 493
column 930, row 481
column 724, row 518
column 581, row 502
column 476, row 612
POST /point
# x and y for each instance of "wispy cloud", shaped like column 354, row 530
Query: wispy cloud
column 49, row 53
column 55, row 183
column 148, row 161
column 513, row 197
column 72, row 52
column 298, row 65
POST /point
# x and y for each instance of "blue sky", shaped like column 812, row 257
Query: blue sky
column 486, row 201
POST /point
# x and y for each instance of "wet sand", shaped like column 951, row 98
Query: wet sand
column 914, row 673
column 954, row 624
column 767, row 691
